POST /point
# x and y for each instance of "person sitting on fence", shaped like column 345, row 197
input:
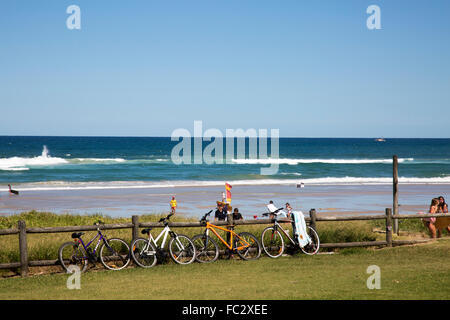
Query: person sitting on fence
column 236, row 214
column 288, row 209
column 442, row 208
column 271, row 207
column 429, row 222
column 221, row 213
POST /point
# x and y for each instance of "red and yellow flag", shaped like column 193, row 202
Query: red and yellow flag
column 228, row 192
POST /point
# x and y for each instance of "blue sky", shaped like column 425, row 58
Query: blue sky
column 145, row 68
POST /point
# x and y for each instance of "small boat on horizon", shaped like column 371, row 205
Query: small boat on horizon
column 380, row 140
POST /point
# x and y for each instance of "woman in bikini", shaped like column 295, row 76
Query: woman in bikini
column 429, row 222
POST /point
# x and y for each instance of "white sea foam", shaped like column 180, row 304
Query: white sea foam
column 23, row 164
column 13, row 169
column 64, row 185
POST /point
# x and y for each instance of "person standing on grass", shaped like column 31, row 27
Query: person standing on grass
column 430, row 222
column 173, row 205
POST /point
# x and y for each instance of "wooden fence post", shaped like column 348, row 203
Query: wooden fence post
column 312, row 215
column 312, row 223
column 135, row 229
column 230, row 226
column 395, row 192
column 389, row 227
column 23, row 248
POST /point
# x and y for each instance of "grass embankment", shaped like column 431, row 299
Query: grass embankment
column 413, row 272
column 409, row 272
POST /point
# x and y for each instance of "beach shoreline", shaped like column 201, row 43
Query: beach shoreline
column 193, row 201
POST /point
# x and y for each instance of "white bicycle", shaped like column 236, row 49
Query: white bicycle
column 145, row 252
column 274, row 245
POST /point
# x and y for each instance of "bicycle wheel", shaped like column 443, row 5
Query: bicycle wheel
column 70, row 253
column 181, row 249
column 272, row 242
column 250, row 246
column 115, row 254
column 313, row 247
column 143, row 253
column 207, row 249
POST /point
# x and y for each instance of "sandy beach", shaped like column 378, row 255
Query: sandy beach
column 251, row 200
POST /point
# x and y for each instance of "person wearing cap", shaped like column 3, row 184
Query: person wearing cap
column 221, row 213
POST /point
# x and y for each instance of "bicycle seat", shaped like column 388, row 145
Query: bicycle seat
column 76, row 235
column 146, row 231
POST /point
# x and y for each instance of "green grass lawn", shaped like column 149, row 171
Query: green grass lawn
column 408, row 272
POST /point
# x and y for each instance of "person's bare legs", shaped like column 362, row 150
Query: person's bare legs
column 431, row 227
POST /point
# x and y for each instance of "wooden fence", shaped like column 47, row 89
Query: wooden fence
column 22, row 231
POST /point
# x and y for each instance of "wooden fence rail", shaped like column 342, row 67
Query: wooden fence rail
column 22, row 231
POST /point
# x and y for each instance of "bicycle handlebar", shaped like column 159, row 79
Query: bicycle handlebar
column 206, row 214
column 166, row 218
column 275, row 212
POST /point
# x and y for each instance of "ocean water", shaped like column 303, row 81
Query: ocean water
column 57, row 163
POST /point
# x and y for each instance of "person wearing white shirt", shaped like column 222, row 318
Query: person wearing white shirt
column 272, row 210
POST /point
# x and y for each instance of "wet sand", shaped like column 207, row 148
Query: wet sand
column 251, row 200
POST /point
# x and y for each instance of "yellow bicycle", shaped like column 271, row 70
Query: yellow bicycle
column 245, row 244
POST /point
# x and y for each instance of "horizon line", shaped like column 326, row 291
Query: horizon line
column 287, row 137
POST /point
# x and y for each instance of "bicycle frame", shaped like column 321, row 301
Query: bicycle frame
column 99, row 234
column 277, row 226
column 164, row 233
column 212, row 227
